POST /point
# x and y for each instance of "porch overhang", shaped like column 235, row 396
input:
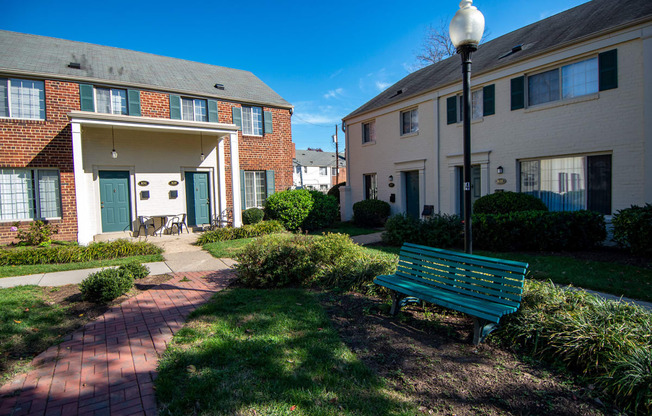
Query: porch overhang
column 85, row 118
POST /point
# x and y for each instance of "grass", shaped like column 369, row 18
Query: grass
column 346, row 228
column 267, row 352
column 29, row 324
column 226, row 249
column 7, row 271
column 615, row 278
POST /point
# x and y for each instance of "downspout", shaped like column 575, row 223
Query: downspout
column 438, row 169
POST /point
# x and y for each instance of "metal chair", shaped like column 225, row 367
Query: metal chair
column 225, row 219
column 179, row 221
column 143, row 222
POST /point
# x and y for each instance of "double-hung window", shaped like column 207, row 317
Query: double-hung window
column 255, row 187
column 22, row 98
column 568, row 81
column 569, row 183
column 369, row 132
column 111, row 101
column 252, row 121
column 193, row 109
column 323, row 171
column 476, row 106
column 27, row 194
column 409, row 121
column 370, row 186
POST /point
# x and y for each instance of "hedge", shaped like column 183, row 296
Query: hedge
column 506, row 202
column 443, row 231
column 246, row 231
column 371, row 213
column 633, row 229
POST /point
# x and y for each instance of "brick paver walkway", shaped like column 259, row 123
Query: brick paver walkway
column 108, row 366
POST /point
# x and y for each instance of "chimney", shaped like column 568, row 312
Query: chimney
column 294, row 150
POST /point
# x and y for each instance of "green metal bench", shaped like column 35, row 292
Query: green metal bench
column 483, row 287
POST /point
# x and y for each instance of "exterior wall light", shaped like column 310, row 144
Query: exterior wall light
column 500, row 170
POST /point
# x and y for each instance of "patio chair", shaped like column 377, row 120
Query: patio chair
column 225, row 219
column 143, row 222
column 179, row 221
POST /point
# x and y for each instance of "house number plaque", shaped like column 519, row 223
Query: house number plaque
column 173, row 183
column 501, row 181
column 143, row 183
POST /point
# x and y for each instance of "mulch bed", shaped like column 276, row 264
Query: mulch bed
column 427, row 354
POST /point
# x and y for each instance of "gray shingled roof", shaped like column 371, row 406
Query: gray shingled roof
column 566, row 27
column 50, row 57
column 315, row 158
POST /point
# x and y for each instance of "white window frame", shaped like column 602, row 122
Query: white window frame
column 258, row 200
column 561, row 84
column 112, row 110
column 250, row 129
column 477, row 103
column 323, row 171
column 34, row 198
column 9, row 106
column 373, row 191
column 194, row 108
column 369, row 131
column 414, row 127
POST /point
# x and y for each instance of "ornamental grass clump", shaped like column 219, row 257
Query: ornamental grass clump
column 607, row 342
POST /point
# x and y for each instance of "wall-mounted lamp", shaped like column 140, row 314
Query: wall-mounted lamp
column 391, row 178
column 201, row 145
column 114, row 154
column 499, row 170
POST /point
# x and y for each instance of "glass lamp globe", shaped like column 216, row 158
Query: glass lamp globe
column 467, row 25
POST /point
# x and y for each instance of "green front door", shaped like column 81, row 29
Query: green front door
column 198, row 198
column 412, row 193
column 114, row 200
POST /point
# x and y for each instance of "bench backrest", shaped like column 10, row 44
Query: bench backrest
column 486, row 278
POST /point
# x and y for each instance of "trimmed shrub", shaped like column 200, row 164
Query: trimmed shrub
column 246, row 231
column 607, row 342
column 633, row 229
column 538, row 231
column 135, row 270
column 75, row 254
column 335, row 191
column 275, row 260
column 106, row 285
column 252, row 216
column 324, row 212
column 443, row 231
column 38, row 234
column 290, row 207
column 506, row 202
column 370, row 213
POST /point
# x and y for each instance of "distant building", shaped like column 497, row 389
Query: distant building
column 315, row 169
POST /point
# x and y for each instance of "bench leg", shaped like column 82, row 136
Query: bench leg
column 481, row 329
column 396, row 303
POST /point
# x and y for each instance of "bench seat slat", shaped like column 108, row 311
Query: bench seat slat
column 488, row 262
column 487, row 310
column 463, row 282
column 431, row 270
column 471, row 269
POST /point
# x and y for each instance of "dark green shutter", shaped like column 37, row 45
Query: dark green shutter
column 175, row 107
column 518, row 93
column 269, row 178
column 86, row 99
column 133, row 98
column 608, row 69
column 237, row 116
column 451, row 110
column 267, row 118
column 489, row 100
column 242, row 189
column 213, row 114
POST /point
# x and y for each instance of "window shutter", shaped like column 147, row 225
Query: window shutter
column 175, row 107
column 267, row 118
column 269, row 178
column 213, row 113
column 133, row 100
column 608, row 69
column 237, row 116
column 242, row 190
column 87, row 103
column 518, row 93
column 451, row 110
column 489, row 100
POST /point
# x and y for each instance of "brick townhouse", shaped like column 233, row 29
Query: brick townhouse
column 94, row 137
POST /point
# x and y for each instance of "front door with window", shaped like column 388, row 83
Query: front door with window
column 115, row 205
column 476, row 186
column 412, row 193
column 197, row 198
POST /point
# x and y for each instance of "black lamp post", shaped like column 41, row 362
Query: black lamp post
column 466, row 30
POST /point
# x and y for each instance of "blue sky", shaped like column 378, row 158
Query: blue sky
column 326, row 58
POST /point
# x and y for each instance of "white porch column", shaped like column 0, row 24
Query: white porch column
column 221, row 177
column 235, row 180
column 85, row 225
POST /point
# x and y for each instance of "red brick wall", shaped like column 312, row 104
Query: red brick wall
column 45, row 144
column 48, row 143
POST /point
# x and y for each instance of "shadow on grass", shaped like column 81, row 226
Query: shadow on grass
column 267, row 352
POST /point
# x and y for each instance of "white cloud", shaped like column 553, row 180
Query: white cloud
column 334, row 93
column 336, row 73
column 382, row 86
column 315, row 118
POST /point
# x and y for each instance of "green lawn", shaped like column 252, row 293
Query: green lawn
column 7, row 271
column 229, row 248
column 267, row 352
column 347, row 228
column 615, row 278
